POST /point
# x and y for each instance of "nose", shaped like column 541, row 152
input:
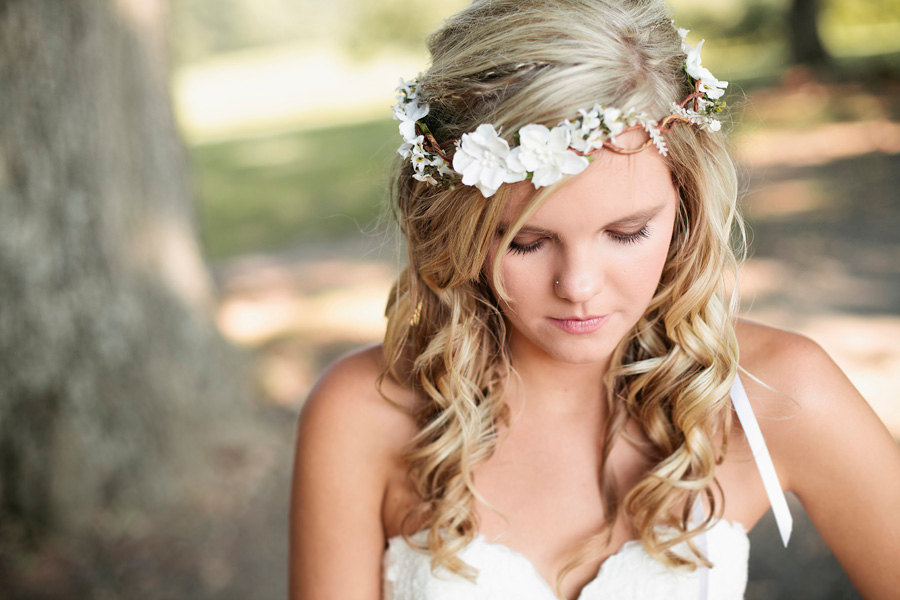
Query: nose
column 579, row 277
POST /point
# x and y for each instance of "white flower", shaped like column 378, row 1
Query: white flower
column 420, row 160
column 612, row 118
column 704, row 121
column 594, row 140
column 408, row 113
column 709, row 85
column 590, row 119
column 409, row 89
column 425, row 177
column 656, row 137
column 481, row 159
column 576, row 135
column 411, row 145
column 545, row 153
column 443, row 167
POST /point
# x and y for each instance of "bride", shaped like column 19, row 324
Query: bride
column 565, row 404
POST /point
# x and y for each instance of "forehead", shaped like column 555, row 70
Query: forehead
column 612, row 187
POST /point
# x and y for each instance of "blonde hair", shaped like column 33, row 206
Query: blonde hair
column 510, row 63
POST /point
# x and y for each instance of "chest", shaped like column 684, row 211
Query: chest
column 541, row 497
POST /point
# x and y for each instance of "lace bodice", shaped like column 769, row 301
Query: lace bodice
column 631, row 573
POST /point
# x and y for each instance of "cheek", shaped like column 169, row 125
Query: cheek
column 639, row 277
column 521, row 279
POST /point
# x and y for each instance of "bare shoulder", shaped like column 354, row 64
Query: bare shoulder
column 357, row 418
column 350, row 439
column 792, row 382
column 829, row 448
column 792, row 364
column 352, row 400
column 791, row 379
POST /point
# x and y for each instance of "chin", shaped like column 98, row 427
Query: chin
column 579, row 351
column 586, row 356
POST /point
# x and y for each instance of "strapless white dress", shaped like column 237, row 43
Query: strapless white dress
column 629, row 574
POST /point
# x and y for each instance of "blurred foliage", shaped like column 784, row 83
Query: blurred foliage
column 270, row 192
column 764, row 20
column 205, row 28
column 264, row 193
column 753, row 20
column 869, row 12
column 402, row 24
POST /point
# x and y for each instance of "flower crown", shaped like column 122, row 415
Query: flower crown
column 485, row 160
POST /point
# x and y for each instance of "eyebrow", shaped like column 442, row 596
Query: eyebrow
column 640, row 217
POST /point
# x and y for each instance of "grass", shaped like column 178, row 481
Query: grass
column 270, row 192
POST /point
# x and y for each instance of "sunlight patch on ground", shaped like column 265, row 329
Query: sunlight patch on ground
column 782, row 198
column 285, row 87
column 818, row 146
column 327, row 298
column 349, row 312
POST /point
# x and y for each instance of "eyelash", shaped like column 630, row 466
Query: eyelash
column 525, row 248
column 621, row 238
column 632, row 238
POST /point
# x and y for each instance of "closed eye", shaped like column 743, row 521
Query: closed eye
column 517, row 248
column 631, row 238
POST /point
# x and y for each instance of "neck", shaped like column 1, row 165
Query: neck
column 553, row 386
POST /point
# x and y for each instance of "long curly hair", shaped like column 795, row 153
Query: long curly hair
column 510, row 63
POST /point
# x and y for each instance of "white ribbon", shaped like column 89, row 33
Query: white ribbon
column 763, row 460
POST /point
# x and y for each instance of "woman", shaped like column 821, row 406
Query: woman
column 552, row 411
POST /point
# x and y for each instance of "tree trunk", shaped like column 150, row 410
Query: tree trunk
column 806, row 46
column 110, row 359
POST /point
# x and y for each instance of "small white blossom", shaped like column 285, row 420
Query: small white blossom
column 444, row 168
column 422, row 176
column 696, row 118
column 709, row 85
column 408, row 110
column 576, row 134
column 481, row 159
column 590, row 119
column 594, row 140
column 414, row 145
column 409, row 89
column 612, row 118
column 656, row 136
column 408, row 113
column 545, row 153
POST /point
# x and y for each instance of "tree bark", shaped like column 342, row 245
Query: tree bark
column 109, row 360
column 805, row 43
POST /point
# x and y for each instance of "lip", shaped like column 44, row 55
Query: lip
column 580, row 325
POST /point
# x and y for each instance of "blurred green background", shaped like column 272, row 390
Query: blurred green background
column 285, row 103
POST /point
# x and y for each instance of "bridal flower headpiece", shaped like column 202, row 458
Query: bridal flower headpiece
column 485, row 160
